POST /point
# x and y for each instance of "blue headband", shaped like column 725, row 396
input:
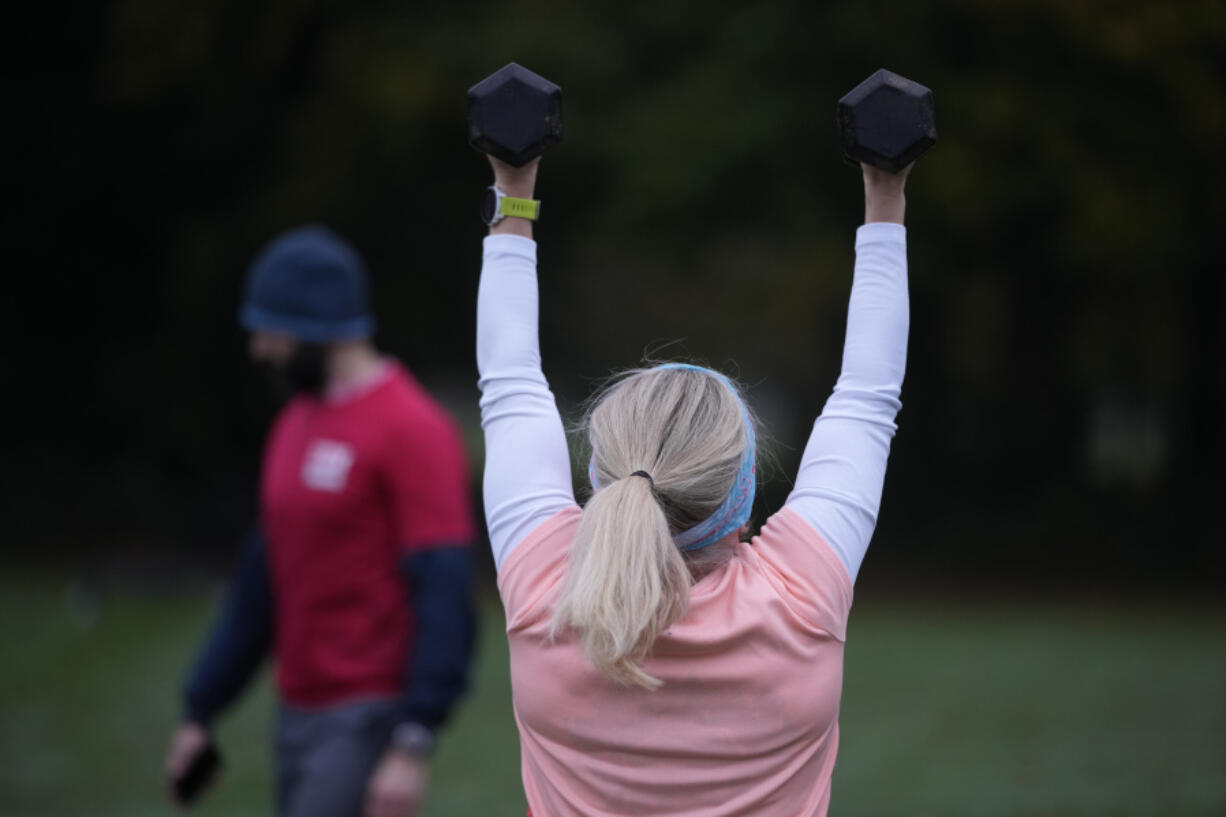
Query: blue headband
column 734, row 511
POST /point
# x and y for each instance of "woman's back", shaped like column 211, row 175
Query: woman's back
column 746, row 719
column 659, row 666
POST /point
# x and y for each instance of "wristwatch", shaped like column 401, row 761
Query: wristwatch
column 413, row 739
column 497, row 205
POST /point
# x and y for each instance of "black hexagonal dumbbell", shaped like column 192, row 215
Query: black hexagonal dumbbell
column 514, row 115
column 887, row 121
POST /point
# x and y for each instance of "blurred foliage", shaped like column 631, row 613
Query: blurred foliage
column 1066, row 378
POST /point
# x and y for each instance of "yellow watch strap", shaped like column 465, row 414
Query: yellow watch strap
column 519, row 208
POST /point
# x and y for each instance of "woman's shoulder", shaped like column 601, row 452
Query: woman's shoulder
column 533, row 571
column 804, row 570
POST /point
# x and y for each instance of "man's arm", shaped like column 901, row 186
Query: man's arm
column 240, row 638
column 426, row 477
column 440, row 585
column 233, row 652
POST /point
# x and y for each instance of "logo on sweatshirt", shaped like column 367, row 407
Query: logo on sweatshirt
column 326, row 466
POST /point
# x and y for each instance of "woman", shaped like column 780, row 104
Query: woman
column 659, row 664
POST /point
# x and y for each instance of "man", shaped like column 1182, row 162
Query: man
column 358, row 577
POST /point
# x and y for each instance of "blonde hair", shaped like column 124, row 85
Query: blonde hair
column 626, row 580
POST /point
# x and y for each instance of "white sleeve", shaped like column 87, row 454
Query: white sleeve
column 527, row 465
column 838, row 488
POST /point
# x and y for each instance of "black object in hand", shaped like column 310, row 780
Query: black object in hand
column 514, row 115
column 887, row 121
column 203, row 768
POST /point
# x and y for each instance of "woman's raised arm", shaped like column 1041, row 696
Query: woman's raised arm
column 838, row 488
column 527, row 465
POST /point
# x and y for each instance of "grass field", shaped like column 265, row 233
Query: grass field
column 971, row 708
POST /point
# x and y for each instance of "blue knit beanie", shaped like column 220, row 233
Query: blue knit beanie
column 308, row 283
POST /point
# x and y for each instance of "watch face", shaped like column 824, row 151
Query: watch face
column 489, row 203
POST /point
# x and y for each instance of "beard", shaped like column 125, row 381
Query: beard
column 304, row 372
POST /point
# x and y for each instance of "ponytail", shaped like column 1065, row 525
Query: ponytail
column 627, row 581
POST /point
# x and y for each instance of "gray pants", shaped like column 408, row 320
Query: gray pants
column 325, row 757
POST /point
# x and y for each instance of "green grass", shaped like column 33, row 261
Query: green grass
column 1033, row 709
column 962, row 708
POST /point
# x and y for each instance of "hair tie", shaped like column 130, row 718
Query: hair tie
column 738, row 505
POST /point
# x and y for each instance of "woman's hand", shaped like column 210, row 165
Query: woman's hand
column 884, row 199
column 515, row 181
column 520, row 183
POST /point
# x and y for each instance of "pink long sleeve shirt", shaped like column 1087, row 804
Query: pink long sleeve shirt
column 746, row 720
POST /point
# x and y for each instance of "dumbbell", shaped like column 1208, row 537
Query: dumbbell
column 514, row 115
column 887, row 121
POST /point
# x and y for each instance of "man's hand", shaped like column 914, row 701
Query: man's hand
column 186, row 743
column 884, row 199
column 398, row 786
column 517, row 182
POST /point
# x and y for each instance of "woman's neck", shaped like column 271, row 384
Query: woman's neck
column 702, row 562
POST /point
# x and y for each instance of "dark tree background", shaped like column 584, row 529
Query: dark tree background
column 1065, row 392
